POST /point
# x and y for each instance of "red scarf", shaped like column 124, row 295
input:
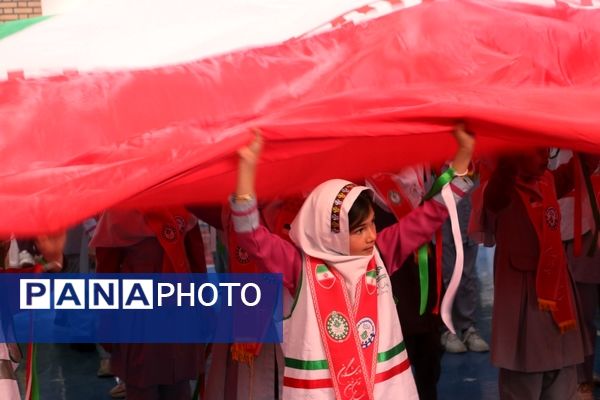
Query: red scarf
column 170, row 226
column 278, row 218
column 552, row 279
column 349, row 332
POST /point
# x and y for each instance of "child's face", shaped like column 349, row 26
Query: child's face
column 362, row 238
column 533, row 163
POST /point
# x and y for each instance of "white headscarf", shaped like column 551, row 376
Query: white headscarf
column 312, row 230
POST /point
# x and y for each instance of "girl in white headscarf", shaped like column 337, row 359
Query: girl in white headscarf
column 342, row 338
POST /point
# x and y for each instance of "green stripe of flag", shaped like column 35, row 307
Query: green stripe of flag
column 322, row 268
column 11, row 27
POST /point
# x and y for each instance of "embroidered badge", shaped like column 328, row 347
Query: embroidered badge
column 366, row 332
column 394, row 197
column 552, row 217
column 371, row 281
column 169, row 232
column 337, row 326
column 241, row 255
column 180, row 223
column 336, row 208
column 324, row 276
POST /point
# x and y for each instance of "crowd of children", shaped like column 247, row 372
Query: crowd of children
column 365, row 266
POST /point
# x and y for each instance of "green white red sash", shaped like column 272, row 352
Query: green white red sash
column 349, row 332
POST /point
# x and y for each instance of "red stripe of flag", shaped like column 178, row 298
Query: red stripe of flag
column 365, row 9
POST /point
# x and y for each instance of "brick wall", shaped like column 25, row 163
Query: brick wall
column 11, row 10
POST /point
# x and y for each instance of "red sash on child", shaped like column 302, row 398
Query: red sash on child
column 393, row 194
column 239, row 263
column 398, row 202
column 279, row 215
column 278, row 219
column 169, row 226
column 552, row 280
column 349, row 332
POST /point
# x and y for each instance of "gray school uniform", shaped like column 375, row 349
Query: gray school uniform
column 524, row 338
column 586, row 273
column 536, row 360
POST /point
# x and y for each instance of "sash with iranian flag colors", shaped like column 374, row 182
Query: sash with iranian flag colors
column 371, row 280
column 348, row 331
column 324, row 276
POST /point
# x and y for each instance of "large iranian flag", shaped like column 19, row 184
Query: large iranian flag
column 134, row 104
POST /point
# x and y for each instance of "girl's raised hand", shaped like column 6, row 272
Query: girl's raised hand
column 466, row 145
column 250, row 154
column 51, row 247
column 464, row 139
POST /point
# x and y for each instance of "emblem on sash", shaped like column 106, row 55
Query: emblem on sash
column 371, row 281
column 394, row 197
column 180, row 223
column 366, row 332
column 169, row 232
column 324, row 276
column 552, row 217
column 242, row 255
column 337, row 326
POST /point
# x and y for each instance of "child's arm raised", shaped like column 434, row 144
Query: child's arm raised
column 418, row 227
column 249, row 156
column 466, row 145
column 51, row 247
column 272, row 253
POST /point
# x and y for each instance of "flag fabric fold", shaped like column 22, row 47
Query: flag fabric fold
column 346, row 102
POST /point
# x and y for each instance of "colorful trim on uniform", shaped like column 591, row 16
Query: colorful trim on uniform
column 336, row 208
column 322, row 364
column 392, row 372
column 391, row 353
column 328, row 383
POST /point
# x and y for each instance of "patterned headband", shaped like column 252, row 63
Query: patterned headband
column 337, row 207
